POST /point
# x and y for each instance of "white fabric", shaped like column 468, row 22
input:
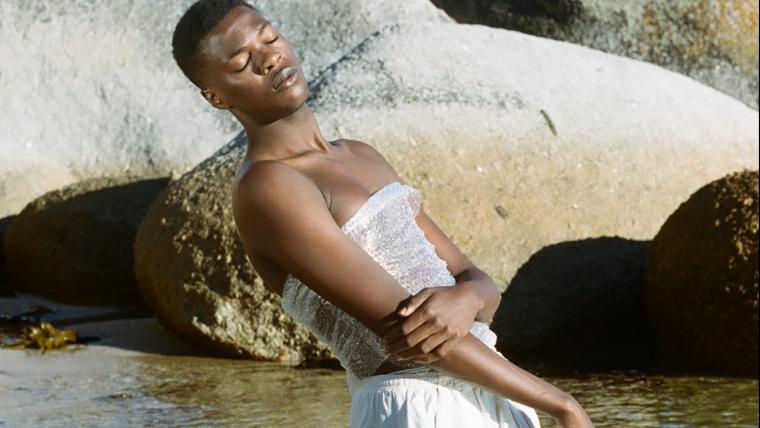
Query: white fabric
column 425, row 398
column 386, row 229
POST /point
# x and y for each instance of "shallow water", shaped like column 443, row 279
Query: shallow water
column 105, row 387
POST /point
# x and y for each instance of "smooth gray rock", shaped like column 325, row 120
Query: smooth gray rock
column 713, row 41
column 529, row 141
column 516, row 142
column 25, row 175
column 91, row 86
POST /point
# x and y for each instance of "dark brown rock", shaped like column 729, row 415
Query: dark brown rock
column 194, row 274
column 578, row 303
column 74, row 245
column 5, row 289
column 702, row 278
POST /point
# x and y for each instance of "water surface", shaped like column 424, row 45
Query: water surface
column 109, row 387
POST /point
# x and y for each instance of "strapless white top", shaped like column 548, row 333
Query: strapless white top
column 386, row 229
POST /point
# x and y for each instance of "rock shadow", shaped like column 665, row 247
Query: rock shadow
column 490, row 12
column 5, row 288
column 74, row 245
column 579, row 304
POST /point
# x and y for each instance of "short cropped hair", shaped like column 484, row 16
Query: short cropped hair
column 193, row 27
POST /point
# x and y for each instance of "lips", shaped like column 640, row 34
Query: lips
column 283, row 76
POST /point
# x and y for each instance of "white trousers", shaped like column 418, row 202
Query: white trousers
column 425, row 398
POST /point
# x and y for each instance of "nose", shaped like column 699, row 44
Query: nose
column 269, row 62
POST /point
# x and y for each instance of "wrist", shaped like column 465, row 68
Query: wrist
column 473, row 293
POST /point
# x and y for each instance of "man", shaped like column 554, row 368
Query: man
column 294, row 188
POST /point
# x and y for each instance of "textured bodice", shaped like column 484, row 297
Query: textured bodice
column 386, row 229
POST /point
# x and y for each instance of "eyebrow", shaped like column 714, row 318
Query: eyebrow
column 259, row 30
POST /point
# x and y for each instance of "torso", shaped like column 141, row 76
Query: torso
column 346, row 180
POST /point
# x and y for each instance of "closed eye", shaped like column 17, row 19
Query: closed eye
column 273, row 40
column 246, row 64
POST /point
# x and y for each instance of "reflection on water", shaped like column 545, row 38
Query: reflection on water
column 632, row 398
column 100, row 386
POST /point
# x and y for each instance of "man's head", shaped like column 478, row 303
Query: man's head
column 239, row 60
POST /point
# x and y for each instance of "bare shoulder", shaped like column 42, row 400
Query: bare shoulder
column 264, row 178
column 270, row 188
column 369, row 152
column 362, row 148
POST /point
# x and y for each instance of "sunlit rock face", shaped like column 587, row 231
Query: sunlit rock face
column 90, row 86
column 516, row 143
column 713, row 41
column 531, row 141
column 196, row 278
column 702, row 278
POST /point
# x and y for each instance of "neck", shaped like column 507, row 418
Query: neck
column 287, row 137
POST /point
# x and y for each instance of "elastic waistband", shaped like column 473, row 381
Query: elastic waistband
column 416, row 377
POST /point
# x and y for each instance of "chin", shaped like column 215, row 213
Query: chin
column 285, row 107
column 297, row 96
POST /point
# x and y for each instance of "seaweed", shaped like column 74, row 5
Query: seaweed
column 43, row 337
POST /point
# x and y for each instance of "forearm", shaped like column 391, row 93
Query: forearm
column 484, row 286
column 475, row 362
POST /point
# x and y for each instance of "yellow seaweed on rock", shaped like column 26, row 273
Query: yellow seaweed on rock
column 44, row 337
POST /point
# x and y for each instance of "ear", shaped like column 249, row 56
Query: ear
column 214, row 100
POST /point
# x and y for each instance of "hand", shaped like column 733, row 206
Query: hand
column 435, row 320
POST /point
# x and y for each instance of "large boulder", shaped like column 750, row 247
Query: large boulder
column 527, row 141
column 578, row 304
column 515, row 141
column 74, row 245
column 702, row 278
column 713, row 41
column 23, row 177
column 106, row 98
column 196, row 278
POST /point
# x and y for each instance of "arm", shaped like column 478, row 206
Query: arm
column 481, row 284
column 437, row 318
column 282, row 215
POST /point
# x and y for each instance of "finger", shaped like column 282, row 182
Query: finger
column 422, row 351
column 445, row 347
column 400, row 327
column 438, row 352
column 407, row 341
column 414, row 302
column 393, row 332
column 406, row 326
column 415, row 321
